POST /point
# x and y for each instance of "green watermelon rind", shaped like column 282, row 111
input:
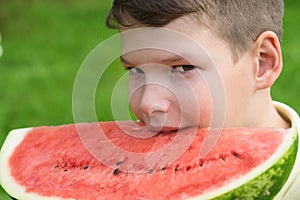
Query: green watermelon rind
column 267, row 184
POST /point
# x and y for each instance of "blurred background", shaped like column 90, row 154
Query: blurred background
column 45, row 41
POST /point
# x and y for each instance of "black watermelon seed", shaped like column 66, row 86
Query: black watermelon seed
column 65, row 170
column 176, row 168
column 163, row 169
column 201, row 163
column 150, row 171
column 116, row 171
column 86, row 167
column 236, row 155
column 119, row 163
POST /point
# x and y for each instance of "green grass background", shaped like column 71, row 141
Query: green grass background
column 45, row 42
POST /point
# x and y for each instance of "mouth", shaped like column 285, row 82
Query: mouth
column 157, row 126
column 162, row 129
column 171, row 129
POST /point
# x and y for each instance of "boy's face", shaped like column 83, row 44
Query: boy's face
column 177, row 82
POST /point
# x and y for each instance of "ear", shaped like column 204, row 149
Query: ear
column 268, row 60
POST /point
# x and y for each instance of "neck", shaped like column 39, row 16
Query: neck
column 265, row 114
column 256, row 111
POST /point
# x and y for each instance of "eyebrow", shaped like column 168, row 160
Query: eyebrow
column 171, row 59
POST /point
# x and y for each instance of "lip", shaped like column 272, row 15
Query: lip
column 162, row 129
column 158, row 123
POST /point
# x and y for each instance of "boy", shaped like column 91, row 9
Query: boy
column 241, row 38
column 238, row 62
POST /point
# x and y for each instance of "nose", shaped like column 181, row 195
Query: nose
column 155, row 100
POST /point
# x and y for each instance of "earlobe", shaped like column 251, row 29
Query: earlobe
column 269, row 60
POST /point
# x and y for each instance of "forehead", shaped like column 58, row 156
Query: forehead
column 181, row 38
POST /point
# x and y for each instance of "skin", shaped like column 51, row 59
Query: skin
column 169, row 93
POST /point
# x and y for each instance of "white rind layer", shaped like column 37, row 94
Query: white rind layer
column 14, row 138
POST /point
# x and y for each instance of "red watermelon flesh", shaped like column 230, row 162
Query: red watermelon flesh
column 52, row 161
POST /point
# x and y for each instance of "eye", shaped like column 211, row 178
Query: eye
column 135, row 70
column 183, row 68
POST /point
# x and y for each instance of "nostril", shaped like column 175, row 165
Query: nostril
column 157, row 108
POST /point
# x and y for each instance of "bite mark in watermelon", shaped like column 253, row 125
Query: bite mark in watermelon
column 52, row 163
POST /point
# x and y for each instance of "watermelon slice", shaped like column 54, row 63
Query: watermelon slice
column 54, row 163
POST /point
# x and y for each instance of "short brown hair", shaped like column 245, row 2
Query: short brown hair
column 238, row 22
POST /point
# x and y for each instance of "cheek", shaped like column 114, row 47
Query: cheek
column 196, row 103
column 135, row 96
column 202, row 113
column 238, row 84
